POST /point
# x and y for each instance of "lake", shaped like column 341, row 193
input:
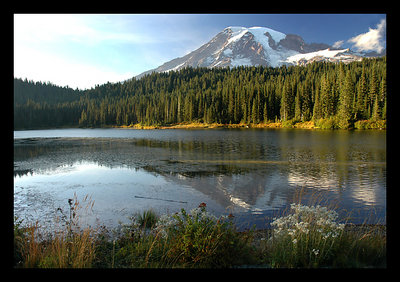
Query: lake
column 252, row 173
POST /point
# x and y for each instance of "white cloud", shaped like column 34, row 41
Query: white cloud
column 338, row 44
column 373, row 40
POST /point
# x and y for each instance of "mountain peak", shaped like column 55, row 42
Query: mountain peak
column 238, row 46
column 258, row 31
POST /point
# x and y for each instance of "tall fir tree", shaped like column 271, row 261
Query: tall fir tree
column 362, row 95
column 345, row 110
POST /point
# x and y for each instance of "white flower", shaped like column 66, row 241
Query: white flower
column 302, row 227
column 306, row 218
column 316, row 252
column 291, row 232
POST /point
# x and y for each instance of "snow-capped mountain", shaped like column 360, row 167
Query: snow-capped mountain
column 237, row 46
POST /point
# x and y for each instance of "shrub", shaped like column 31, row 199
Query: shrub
column 199, row 239
column 327, row 123
column 288, row 123
column 370, row 124
column 304, row 238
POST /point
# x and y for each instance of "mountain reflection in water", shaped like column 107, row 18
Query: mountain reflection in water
column 246, row 172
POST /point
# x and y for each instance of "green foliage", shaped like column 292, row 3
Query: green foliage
column 289, row 123
column 185, row 239
column 331, row 122
column 352, row 92
column 147, row 219
column 199, row 239
column 370, row 124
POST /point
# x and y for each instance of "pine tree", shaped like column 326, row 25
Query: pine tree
column 286, row 102
column 325, row 98
column 362, row 94
column 306, row 107
column 376, row 111
column 265, row 113
column 297, row 107
column 345, row 110
column 382, row 90
column 317, row 110
column 373, row 90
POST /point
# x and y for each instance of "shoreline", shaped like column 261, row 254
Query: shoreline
column 202, row 125
column 359, row 125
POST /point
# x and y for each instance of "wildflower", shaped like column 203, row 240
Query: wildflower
column 302, row 227
column 306, row 218
column 291, row 232
column 202, row 205
column 316, row 252
column 294, row 241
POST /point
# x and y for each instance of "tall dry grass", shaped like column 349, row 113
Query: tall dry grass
column 68, row 246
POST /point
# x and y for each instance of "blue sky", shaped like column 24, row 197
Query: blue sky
column 81, row 50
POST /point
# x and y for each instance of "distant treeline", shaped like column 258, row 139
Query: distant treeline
column 338, row 92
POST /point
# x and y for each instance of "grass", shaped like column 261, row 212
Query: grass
column 304, row 237
column 68, row 247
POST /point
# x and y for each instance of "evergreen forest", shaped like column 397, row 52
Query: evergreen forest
column 335, row 94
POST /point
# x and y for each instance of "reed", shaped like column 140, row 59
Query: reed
column 68, row 245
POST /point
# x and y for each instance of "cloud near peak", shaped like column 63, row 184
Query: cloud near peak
column 338, row 44
column 373, row 40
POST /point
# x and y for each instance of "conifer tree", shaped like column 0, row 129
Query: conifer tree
column 362, row 94
column 373, row 90
column 345, row 111
column 297, row 106
column 317, row 110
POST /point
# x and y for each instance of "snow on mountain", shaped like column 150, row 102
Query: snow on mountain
column 259, row 32
column 238, row 46
column 343, row 55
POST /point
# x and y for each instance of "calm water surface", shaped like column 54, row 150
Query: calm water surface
column 252, row 173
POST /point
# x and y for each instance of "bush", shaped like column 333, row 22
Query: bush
column 327, row 123
column 370, row 124
column 199, row 239
column 289, row 123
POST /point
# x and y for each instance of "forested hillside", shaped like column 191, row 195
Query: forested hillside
column 335, row 93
